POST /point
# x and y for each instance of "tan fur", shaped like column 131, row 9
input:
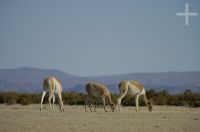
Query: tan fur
column 134, row 88
column 137, row 84
column 98, row 90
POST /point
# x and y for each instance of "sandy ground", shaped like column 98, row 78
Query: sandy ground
column 18, row 118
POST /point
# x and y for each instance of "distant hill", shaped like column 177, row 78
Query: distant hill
column 30, row 80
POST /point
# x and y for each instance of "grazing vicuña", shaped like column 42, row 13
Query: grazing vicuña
column 134, row 88
column 98, row 90
column 52, row 86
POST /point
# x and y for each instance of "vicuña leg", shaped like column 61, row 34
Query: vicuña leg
column 43, row 95
column 50, row 97
column 119, row 99
column 88, row 102
column 60, row 102
column 136, row 101
column 53, row 101
column 104, row 103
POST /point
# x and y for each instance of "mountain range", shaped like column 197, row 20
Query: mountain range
column 30, row 80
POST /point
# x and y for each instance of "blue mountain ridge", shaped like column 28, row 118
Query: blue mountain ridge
column 30, row 80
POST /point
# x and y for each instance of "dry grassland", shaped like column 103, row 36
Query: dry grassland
column 18, row 118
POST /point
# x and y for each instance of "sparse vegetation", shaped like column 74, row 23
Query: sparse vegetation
column 73, row 98
column 186, row 98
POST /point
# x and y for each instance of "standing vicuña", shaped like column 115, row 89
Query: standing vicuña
column 97, row 90
column 52, row 86
column 133, row 88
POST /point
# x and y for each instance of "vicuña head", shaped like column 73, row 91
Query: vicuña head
column 150, row 105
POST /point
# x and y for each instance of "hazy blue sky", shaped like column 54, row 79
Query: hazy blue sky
column 90, row 37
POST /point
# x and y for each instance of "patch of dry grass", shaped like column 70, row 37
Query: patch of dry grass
column 18, row 118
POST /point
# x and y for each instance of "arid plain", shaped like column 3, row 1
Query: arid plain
column 18, row 118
